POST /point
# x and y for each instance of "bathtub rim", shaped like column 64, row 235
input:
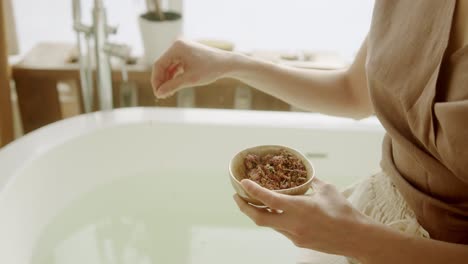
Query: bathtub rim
column 17, row 155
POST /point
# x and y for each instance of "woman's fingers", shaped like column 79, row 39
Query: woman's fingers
column 157, row 77
column 172, row 86
column 186, row 64
column 267, row 197
column 165, row 73
column 286, row 234
column 318, row 184
column 260, row 216
column 161, row 67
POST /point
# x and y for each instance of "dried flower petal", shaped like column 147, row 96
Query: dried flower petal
column 275, row 171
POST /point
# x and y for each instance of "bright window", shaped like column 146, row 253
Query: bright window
column 331, row 25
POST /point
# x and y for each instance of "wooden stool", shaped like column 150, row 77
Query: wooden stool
column 6, row 116
column 50, row 64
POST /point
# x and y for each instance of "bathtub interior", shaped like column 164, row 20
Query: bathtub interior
column 158, row 193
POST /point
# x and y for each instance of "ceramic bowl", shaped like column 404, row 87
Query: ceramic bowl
column 237, row 171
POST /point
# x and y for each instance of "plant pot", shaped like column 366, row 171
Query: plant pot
column 157, row 36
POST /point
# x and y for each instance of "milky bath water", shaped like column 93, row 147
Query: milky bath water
column 146, row 219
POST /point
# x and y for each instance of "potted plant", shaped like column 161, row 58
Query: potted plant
column 159, row 29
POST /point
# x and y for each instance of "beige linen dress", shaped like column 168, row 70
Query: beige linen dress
column 419, row 91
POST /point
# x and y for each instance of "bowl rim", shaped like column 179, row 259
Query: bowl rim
column 295, row 152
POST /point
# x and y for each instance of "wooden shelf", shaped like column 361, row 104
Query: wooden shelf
column 48, row 64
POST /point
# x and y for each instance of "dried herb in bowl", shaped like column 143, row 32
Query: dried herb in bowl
column 275, row 171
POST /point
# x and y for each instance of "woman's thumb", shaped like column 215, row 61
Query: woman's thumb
column 317, row 183
column 170, row 87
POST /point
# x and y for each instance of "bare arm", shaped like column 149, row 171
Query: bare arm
column 384, row 245
column 334, row 92
column 327, row 222
column 338, row 92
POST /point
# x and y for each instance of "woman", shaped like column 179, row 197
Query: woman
column 412, row 73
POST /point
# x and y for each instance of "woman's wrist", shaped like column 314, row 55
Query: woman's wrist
column 367, row 246
column 235, row 65
column 379, row 243
column 246, row 68
column 361, row 240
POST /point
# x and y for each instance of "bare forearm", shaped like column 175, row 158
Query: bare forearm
column 383, row 245
column 340, row 92
column 326, row 92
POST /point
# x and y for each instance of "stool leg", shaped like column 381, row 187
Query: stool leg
column 6, row 117
column 38, row 102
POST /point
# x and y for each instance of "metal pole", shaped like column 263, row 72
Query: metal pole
column 85, row 64
column 104, row 74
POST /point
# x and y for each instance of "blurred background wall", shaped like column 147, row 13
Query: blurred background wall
column 330, row 25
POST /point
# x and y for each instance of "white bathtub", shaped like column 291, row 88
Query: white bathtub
column 151, row 185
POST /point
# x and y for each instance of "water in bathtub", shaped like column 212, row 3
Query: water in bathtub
column 149, row 219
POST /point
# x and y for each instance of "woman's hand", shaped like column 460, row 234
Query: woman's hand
column 187, row 64
column 324, row 221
